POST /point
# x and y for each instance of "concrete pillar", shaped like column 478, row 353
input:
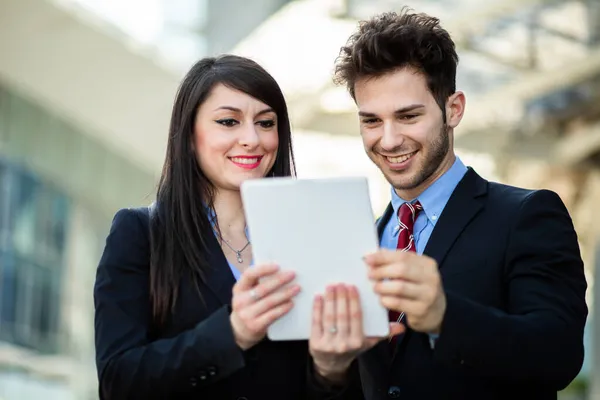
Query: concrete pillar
column 593, row 15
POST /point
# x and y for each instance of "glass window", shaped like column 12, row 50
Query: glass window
column 4, row 202
column 32, row 260
column 8, row 297
column 23, row 212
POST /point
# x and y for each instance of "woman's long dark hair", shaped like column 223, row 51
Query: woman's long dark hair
column 179, row 225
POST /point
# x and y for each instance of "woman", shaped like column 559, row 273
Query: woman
column 165, row 282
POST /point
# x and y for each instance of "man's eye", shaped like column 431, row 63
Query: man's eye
column 408, row 116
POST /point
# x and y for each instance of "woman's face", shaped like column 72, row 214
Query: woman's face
column 235, row 138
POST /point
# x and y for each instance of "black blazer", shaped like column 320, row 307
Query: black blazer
column 195, row 357
column 515, row 287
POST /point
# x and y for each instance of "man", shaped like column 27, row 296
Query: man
column 488, row 277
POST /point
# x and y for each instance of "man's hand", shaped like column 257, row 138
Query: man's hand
column 337, row 336
column 410, row 283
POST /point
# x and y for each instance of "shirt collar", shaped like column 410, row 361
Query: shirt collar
column 434, row 198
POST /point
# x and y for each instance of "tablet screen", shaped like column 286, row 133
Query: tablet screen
column 321, row 229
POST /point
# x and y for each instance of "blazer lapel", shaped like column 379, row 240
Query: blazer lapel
column 383, row 220
column 219, row 278
column 464, row 204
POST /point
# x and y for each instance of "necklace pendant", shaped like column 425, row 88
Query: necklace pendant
column 239, row 257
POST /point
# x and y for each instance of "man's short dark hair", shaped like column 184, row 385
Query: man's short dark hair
column 391, row 41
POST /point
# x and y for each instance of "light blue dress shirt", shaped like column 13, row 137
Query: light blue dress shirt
column 433, row 199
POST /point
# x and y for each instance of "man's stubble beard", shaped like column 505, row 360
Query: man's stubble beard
column 438, row 149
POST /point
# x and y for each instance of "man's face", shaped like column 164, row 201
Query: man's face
column 403, row 130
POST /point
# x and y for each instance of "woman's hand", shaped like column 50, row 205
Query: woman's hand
column 260, row 297
column 337, row 336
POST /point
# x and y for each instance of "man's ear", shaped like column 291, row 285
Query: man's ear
column 455, row 109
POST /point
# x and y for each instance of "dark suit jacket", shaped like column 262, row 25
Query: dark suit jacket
column 514, row 282
column 195, row 357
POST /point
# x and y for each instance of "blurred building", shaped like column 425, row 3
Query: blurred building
column 86, row 88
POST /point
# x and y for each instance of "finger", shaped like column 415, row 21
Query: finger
column 372, row 341
column 271, row 284
column 355, row 313
column 329, row 311
column 250, row 276
column 397, row 328
column 409, row 271
column 387, row 256
column 317, row 318
column 242, row 299
column 399, row 288
column 266, row 319
column 399, row 304
column 341, row 312
column 270, row 301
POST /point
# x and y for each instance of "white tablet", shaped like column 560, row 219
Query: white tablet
column 321, row 229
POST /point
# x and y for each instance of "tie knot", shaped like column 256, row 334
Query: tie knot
column 408, row 213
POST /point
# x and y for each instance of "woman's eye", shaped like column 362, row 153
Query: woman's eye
column 267, row 123
column 227, row 122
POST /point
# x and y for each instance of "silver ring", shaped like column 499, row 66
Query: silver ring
column 333, row 330
column 253, row 294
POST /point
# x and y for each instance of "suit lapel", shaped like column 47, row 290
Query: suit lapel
column 383, row 220
column 219, row 278
column 464, row 204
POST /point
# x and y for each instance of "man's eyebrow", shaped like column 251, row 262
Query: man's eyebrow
column 412, row 107
column 406, row 109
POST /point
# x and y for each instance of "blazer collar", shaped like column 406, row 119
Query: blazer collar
column 464, row 204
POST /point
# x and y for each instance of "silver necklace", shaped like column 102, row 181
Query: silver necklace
column 238, row 253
